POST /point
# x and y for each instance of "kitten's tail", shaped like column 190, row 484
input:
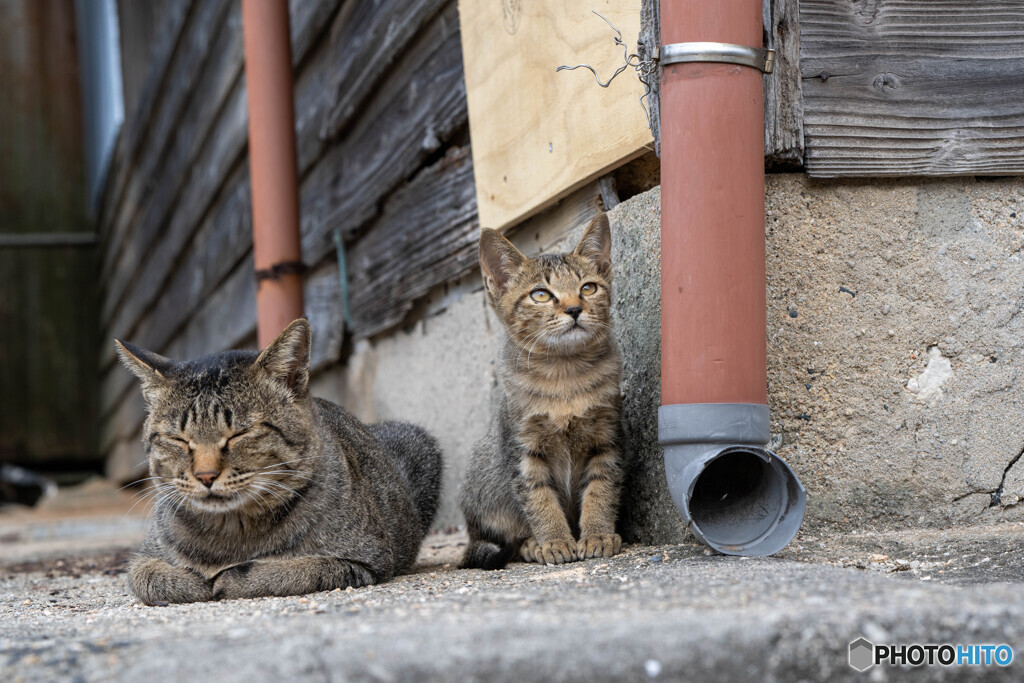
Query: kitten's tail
column 417, row 456
column 486, row 555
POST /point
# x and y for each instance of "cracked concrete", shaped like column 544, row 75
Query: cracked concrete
column 899, row 405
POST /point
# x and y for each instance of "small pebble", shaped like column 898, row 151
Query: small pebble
column 792, row 313
column 654, row 559
column 652, row 667
column 886, row 309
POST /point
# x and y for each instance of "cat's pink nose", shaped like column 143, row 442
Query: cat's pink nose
column 207, row 478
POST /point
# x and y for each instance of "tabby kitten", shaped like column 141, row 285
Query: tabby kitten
column 545, row 482
column 265, row 490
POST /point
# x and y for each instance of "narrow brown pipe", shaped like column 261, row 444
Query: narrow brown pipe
column 731, row 491
column 712, row 241
column 277, row 251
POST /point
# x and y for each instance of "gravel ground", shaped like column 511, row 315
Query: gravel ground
column 652, row 613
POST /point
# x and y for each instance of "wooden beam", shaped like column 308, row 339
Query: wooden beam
column 648, row 45
column 783, row 91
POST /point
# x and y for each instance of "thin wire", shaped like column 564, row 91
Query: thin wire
column 644, row 68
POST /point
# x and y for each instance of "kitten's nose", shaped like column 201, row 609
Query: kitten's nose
column 207, row 478
column 574, row 311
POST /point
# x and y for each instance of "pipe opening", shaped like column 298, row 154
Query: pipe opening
column 738, row 498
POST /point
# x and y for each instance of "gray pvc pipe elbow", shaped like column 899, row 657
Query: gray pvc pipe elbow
column 735, row 495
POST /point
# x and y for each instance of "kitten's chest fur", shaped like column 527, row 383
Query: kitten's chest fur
column 562, row 407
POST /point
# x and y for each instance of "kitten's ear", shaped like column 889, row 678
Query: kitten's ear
column 499, row 259
column 596, row 243
column 151, row 368
column 286, row 359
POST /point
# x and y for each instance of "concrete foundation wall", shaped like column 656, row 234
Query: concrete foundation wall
column 894, row 342
column 896, row 388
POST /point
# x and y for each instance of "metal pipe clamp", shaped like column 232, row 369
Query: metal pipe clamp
column 728, row 53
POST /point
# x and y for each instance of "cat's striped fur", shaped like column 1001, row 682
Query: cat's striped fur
column 545, row 483
column 263, row 490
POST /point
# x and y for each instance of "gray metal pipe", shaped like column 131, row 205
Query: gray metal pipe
column 735, row 495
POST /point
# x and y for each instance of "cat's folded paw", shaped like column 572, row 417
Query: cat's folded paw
column 234, row 582
column 598, row 545
column 528, row 550
column 555, row 552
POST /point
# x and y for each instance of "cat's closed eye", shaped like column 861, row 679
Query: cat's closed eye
column 238, row 435
column 175, row 442
column 233, row 439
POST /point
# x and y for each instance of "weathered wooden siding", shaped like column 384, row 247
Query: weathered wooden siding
column 47, row 295
column 913, row 87
column 383, row 159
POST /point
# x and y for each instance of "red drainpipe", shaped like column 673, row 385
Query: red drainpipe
column 735, row 495
column 276, row 247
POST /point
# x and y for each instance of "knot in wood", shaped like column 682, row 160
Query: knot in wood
column 886, row 81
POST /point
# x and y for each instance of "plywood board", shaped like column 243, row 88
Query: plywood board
column 537, row 134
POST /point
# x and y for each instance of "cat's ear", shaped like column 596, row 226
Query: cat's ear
column 499, row 259
column 286, row 359
column 596, row 244
column 151, row 368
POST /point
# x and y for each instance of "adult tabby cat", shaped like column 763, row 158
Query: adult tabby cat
column 545, row 482
column 265, row 490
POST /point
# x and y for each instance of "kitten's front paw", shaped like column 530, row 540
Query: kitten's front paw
column 599, row 545
column 234, row 582
column 555, row 552
column 528, row 550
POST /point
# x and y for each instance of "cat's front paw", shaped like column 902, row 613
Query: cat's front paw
column 599, row 545
column 555, row 552
column 234, row 582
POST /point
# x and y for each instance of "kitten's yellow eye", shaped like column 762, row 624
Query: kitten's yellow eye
column 588, row 289
column 541, row 296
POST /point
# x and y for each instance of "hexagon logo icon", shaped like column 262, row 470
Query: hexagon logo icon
column 862, row 654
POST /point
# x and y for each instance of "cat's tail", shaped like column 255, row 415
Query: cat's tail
column 481, row 554
column 417, row 456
